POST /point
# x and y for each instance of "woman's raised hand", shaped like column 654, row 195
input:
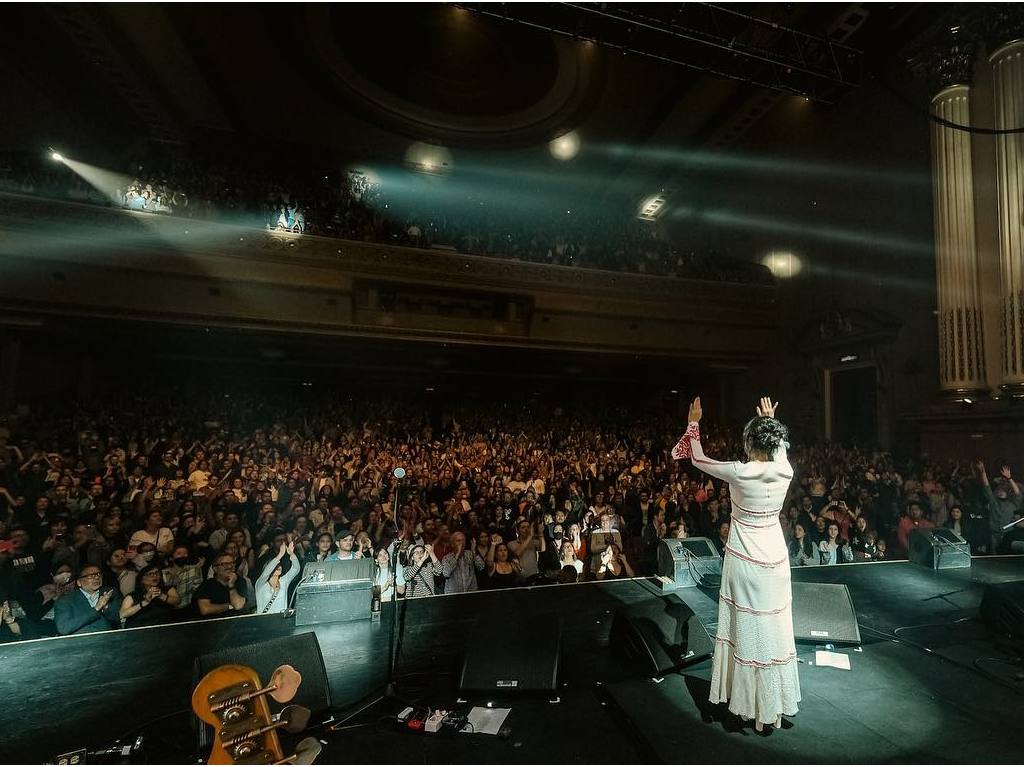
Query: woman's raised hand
column 695, row 411
column 766, row 408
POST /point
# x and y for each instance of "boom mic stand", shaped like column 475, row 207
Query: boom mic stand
column 394, row 637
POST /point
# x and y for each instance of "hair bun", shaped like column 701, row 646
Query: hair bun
column 763, row 435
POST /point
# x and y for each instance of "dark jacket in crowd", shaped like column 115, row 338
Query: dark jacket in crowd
column 74, row 615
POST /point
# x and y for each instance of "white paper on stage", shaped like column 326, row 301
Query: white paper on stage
column 833, row 659
column 486, row 720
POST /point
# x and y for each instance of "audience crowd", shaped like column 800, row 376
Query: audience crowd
column 351, row 206
column 164, row 508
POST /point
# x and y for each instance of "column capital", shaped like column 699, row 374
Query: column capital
column 1002, row 24
column 952, row 59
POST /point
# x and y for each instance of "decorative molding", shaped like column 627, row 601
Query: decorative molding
column 953, row 60
column 846, row 329
column 948, row 58
column 1001, row 24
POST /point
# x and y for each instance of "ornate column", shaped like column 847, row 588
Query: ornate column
column 1008, row 96
column 960, row 327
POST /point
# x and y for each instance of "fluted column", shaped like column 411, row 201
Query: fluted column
column 961, row 348
column 1008, row 97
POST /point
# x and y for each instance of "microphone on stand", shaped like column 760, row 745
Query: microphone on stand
column 398, row 473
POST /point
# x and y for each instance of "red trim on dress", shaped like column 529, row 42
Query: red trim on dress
column 757, row 513
column 755, row 561
column 755, row 663
column 748, row 524
column 745, row 609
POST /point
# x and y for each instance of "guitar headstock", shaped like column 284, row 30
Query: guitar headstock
column 232, row 700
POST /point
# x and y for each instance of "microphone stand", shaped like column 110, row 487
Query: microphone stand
column 394, row 639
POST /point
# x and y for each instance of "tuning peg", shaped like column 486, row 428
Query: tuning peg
column 285, row 680
column 293, row 719
column 307, row 751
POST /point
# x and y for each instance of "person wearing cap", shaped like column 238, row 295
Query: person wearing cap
column 346, row 541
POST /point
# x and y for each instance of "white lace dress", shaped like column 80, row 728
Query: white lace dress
column 755, row 666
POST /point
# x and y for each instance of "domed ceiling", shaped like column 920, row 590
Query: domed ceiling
column 445, row 72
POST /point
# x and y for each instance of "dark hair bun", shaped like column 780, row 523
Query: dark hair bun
column 763, row 435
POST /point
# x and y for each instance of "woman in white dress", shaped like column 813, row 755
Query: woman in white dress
column 755, row 667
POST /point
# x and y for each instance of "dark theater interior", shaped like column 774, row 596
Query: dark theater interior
column 512, row 383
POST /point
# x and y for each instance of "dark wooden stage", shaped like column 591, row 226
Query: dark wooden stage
column 928, row 685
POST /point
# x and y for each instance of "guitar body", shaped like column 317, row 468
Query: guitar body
column 214, row 701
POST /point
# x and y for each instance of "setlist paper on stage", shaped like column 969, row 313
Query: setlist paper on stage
column 833, row 659
column 486, row 721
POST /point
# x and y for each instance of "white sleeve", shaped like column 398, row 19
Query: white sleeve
column 289, row 576
column 268, row 568
column 781, row 457
column 720, row 469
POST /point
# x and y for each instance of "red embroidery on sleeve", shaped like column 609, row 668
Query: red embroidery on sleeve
column 682, row 448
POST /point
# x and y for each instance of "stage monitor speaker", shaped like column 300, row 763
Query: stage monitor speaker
column 525, row 659
column 302, row 652
column 823, row 612
column 690, row 562
column 1002, row 608
column 659, row 635
column 939, row 548
column 331, row 592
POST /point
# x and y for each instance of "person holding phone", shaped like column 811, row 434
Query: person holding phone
column 10, row 627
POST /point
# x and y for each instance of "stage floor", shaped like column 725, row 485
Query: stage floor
column 915, row 693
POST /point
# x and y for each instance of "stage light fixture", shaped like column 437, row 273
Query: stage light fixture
column 566, row 146
column 652, row 207
column 429, row 159
column 783, row 264
column 56, row 156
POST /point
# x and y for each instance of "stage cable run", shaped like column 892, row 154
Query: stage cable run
column 975, row 667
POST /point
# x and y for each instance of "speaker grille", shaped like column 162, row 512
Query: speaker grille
column 524, row 660
column 659, row 634
column 1002, row 608
column 823, row 612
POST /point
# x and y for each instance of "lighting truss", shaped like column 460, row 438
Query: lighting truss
column 706, row 38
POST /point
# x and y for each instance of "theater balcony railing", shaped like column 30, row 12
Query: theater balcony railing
column 70, row 259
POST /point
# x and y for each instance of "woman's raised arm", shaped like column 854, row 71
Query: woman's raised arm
column 689, row 446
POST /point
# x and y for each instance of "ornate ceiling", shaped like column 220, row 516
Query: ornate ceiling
column 365, row 80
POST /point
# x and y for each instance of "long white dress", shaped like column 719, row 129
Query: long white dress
column 754, row 666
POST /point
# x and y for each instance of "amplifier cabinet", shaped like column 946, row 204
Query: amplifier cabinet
column 939, row 548
column 685, row 561
column 332, row 602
